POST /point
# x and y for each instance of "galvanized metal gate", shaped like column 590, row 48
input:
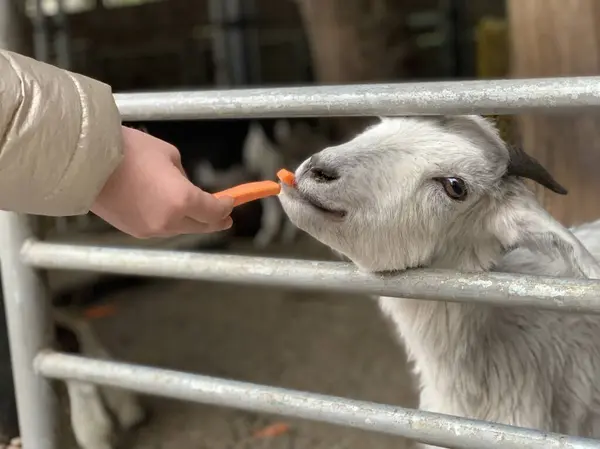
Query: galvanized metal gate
column 27, row 302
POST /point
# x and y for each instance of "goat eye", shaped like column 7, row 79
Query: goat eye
column 455, row 188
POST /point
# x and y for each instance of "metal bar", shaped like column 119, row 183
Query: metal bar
column 498, row 289
column 236, row 56
column 12, row 37
column 431, row 428
column 219, row 43
column 30, row 331
column 488, row 97
column 253, row 42
column 11, row 26
column 41, row 43
column 62, row 38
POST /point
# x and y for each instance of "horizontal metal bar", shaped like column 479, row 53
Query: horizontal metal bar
column 428, row 98
column 499, row 289
column 431, row 428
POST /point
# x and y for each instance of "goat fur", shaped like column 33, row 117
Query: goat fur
column 98, row 413
column 513, row 365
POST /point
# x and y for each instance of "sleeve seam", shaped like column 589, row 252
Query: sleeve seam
column 19, row 104
column 82, row 126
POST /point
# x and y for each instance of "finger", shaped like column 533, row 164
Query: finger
column 206, row 208
column 190, row 226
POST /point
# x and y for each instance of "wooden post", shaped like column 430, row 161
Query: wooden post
column 560, row 38
column 354, row 41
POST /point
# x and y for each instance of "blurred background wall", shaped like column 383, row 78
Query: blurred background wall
column 179, row 44
column 326, row 343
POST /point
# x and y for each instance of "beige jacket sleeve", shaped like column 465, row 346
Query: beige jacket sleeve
column 60, row 138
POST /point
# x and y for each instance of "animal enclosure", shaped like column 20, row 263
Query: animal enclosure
column 35, row 363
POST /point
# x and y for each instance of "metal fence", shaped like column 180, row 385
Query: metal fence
column 27, row 301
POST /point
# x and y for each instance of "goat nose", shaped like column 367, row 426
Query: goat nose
column 322, row 172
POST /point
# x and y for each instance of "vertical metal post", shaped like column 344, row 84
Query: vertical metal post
column 229, row 50
column 252, row 42
column 234, row 17
column 219, row 43
column 11, row 30
column 12, row 37
column 451, row 49
column 62, row 39
column 41, row 50
column 463, row 39
column 30, row 330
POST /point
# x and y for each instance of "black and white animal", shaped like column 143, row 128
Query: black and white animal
column 447, row 192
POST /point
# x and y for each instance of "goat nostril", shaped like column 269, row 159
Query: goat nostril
column 322, row 174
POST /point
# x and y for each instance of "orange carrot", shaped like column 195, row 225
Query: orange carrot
column 99, row 311
column 286, row 176
column 273, row 430
column 251, row 191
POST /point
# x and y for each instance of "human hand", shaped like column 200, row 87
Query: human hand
column 149, row 195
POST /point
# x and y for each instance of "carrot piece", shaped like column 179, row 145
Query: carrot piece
column 287, row 177
column 273, row 430
column 251, row 191
column 99, row 311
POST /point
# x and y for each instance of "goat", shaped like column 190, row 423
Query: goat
column 447, row 192
column 98, row 414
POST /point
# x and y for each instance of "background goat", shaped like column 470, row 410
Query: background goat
column 447, row 192
column 98, row 414
column 269, row 146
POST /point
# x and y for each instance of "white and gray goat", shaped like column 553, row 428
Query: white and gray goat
column 98, row 414
column 447, row 192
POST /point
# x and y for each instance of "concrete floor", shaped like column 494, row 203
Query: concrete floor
column 325, row 343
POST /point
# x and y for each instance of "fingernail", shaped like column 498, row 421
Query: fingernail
column 228, row 223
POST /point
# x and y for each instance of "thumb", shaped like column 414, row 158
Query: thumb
column 206, row 208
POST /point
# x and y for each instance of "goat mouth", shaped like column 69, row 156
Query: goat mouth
column 309, row 199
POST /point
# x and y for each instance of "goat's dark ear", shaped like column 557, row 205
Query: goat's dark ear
column 525, row 166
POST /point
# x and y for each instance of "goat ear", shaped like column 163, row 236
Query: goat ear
column 522, row 165
column 528, row 225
